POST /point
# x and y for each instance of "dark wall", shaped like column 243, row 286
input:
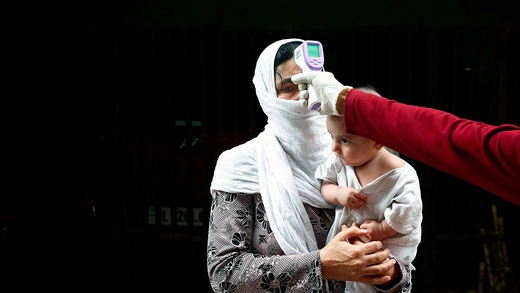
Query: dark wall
column 302, row 14
column 135, row 101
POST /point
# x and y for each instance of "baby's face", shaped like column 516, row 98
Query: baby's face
column 353, row 150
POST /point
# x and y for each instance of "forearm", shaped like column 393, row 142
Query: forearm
column 386, row 230
column 247, row 272
column 330, row 191
column 340, row 103
column 482, row 154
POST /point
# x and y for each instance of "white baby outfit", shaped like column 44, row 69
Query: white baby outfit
column 394, row 196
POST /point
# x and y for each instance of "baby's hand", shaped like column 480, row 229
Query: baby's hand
column 364, row 238
column 376, row 230
column 352, row 198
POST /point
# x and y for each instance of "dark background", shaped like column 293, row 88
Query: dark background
column 113, row 107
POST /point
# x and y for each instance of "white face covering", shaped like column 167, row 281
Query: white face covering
column 280, row 162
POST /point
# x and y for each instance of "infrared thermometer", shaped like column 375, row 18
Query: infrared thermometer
column 309, row 56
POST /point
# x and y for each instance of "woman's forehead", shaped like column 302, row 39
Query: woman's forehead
column 288, row 68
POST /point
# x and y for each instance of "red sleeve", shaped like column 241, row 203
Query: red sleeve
column 482, row 154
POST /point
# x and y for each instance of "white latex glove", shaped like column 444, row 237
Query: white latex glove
column 326, row 85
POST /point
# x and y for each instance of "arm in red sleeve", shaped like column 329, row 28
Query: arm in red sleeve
column 485, row 155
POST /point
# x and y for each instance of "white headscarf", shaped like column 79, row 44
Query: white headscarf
column 280, row 162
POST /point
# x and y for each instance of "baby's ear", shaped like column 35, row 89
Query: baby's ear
column 378, row 146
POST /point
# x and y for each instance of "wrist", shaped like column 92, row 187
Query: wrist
column 340, row 102
column 324, row 264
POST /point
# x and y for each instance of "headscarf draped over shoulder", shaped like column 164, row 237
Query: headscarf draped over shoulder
column 280, row 162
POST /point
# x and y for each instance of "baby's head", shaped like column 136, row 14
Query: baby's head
column 338, row 120
column 368, row 89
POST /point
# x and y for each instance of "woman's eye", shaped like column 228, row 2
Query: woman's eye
column 288, row 89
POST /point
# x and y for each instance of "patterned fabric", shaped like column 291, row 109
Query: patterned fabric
column 244, row 256
column 280, row 162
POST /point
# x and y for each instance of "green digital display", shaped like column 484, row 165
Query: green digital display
column 314, row 50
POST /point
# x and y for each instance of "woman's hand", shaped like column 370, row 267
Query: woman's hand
column 394, row 272
column 362, row 262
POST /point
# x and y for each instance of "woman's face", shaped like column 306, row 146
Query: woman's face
column 285, row 88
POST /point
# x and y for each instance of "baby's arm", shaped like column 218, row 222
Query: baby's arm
column 346, row 196
column 378, row 230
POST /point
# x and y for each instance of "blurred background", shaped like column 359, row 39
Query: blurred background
column 122, row 109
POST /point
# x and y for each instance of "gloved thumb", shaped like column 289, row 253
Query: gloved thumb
column 304, row 77
column 304, row 95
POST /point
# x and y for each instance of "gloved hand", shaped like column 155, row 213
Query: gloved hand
column 326, row 85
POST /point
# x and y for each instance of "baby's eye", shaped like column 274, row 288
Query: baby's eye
column 344, row 140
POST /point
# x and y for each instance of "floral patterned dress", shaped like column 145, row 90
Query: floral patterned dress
column 244, row 256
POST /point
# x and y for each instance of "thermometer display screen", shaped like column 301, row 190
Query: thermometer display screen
column 313, row 50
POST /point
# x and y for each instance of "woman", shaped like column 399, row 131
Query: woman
column 269, row 222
